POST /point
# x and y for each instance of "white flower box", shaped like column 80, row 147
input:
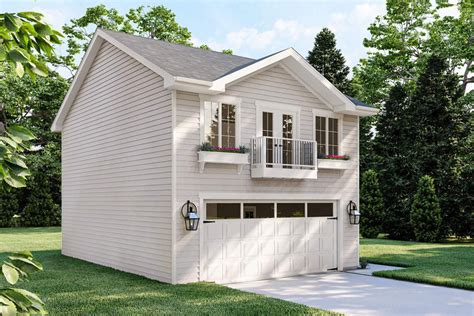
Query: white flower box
column 338, row 164
column 237, row 159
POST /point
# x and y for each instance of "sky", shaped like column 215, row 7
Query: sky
column 250, row 28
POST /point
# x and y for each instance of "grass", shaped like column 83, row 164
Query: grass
column 448, row 264
column 75, row 287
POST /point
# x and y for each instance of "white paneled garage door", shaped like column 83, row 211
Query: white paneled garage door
column 251, row 241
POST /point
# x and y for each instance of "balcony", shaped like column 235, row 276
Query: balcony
column 284, row 158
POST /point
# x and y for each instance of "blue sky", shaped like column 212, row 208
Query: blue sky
column 249, row 28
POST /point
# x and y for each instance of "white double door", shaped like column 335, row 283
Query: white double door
column 280, row 127
column 251, row 249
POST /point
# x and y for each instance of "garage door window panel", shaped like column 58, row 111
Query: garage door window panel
column 259, row 210
column 290, row 210
column 320, row 209
column 223, row 211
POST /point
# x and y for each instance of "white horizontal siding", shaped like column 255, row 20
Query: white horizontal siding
column 116, row 161
column 272, row 85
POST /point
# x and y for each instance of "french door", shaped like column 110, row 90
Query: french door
column 279, row 127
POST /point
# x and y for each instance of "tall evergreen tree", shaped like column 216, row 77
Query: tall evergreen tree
column 439, row 143
column 391, row 146
column 371, row 205
column 329, row 61
column 425, row 214
column 424, row 133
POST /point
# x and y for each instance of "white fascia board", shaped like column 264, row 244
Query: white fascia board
column 366, row 111
column 342, row 101
column 79, row 77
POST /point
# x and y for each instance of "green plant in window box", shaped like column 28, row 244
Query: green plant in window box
column 334, row 157
column 209, row 147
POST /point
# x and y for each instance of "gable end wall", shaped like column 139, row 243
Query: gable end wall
column 116, row 162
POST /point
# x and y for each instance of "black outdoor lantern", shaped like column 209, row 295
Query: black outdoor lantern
column 354, row 214
column 190, row 215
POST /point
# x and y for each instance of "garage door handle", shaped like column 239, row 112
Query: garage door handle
column 332, row 217
column 208, row 222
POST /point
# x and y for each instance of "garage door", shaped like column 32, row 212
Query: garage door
column 250, row 241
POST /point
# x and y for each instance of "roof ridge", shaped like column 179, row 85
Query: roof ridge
column 173, row 44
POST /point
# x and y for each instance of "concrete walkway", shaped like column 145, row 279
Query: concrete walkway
column 372, row 267
column 355, row 294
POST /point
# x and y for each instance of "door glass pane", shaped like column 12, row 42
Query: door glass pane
column 222, row 210
column 259, row 210
column 290, row 210
column 320, row 123
column 320, row 209
column 211, row 121
column 228, row 125
column 287, row 132
column 333, row 136
column 267, row 130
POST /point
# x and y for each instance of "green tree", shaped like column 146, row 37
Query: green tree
column 158, row 22
column 425, row 216
column 439, row 134
column 329, row 61
column 26, row 42
column 34, row 104
column 402, row 41
column 155, row 22
column 391, row 146
column 371, row 205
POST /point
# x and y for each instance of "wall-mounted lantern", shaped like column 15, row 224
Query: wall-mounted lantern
column 190, row 215
column 354, row 214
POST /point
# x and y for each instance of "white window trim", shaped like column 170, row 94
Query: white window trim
column 329, row 114
column 263, row 106
column 220, row 99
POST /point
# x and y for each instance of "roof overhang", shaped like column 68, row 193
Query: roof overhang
column 289, row 59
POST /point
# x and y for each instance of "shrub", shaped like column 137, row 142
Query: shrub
column 371, row 205
column 9, row 205
column 425, row 216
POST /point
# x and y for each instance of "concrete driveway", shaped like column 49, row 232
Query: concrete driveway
column 355, row 294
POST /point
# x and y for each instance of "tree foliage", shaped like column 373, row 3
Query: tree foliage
column 34, row 104
column 371, row 205
column 329, row 61
column 156, row 22
column 425, row 216
column 25, row 41
column 425, row 132
column 15, row 301
column 404, row 38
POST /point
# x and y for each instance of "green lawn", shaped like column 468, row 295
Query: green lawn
column 448, row 264
column 74, row 287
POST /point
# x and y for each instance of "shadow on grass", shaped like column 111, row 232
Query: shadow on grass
column 448, row 265
column 82, row 288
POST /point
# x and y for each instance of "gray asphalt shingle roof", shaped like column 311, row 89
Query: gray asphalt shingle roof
column 181, row 60
column 188, row 62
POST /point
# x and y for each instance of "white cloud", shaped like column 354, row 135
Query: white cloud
column 55, row 17
column 250, row 37
column 281, row 34
column 356, row 19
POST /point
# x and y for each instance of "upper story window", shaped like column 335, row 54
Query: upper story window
column 327, row 132
column 220, row 121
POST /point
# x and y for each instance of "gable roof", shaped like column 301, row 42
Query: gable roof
column 204, row 71
column 181, row 60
